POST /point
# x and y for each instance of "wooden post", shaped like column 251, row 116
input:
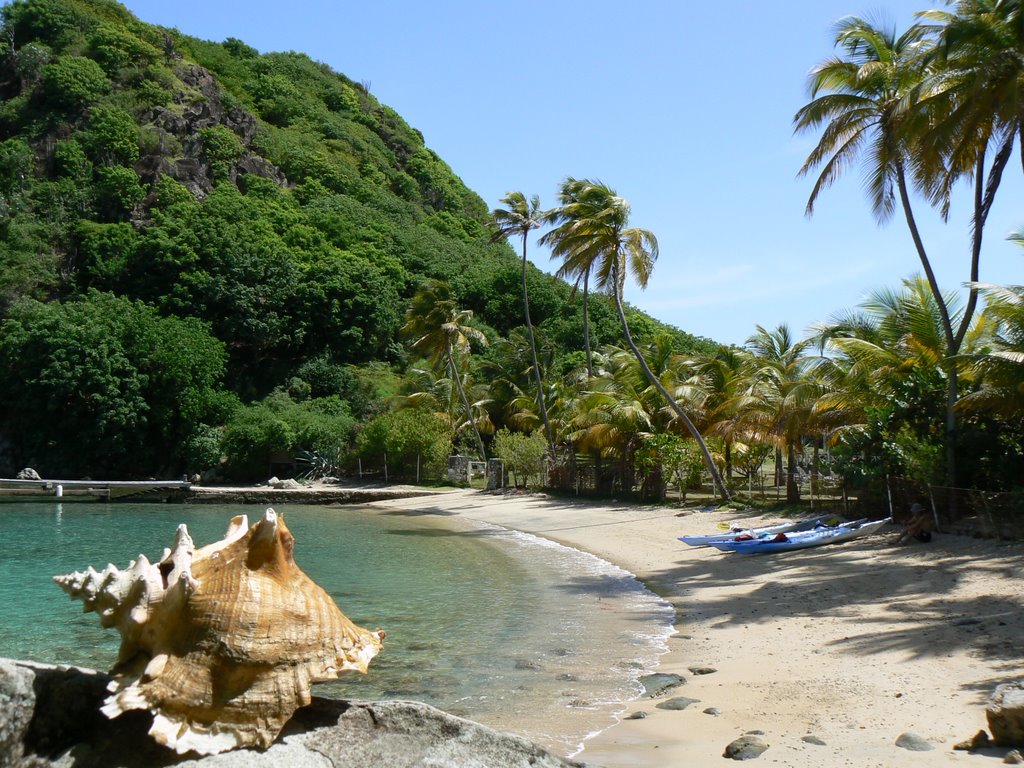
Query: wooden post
column 385, row 466
column 935, row 514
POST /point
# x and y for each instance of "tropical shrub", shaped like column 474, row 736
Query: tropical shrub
column 403, row 436
column 523, row 455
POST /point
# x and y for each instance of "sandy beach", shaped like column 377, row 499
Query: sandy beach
column 853, row 644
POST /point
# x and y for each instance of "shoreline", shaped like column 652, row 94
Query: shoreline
column 851, row 645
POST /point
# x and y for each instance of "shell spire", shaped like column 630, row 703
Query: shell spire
column 221, row 643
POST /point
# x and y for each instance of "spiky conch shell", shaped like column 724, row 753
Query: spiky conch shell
column 221, row 643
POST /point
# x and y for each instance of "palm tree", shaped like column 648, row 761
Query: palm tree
column 594, row 236
column 775, row 404
column 975, row 102
column 438, row 329
column 572, row 207
column 868, row 112
column 721, row 375
column 615, row 412
column 510, row 375
column 519, row 218
column 886, row 361
column 437, row 393
column 999, row 370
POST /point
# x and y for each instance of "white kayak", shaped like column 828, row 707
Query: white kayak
column 770, row 530
column 783, row 542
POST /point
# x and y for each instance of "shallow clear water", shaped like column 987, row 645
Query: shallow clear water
column 508, row 629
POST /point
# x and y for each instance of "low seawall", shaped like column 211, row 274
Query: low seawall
column 319, row 495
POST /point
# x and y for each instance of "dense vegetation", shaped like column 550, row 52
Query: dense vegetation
column 273, row 206
column 219, row 259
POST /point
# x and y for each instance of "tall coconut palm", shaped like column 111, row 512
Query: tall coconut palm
column 975, row 102
column 439, row 330
column 594, row 235
column 520, row 217
column 868, row 113
column 573, row 200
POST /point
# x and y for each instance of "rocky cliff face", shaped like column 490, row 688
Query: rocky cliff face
column 197, row 113
column 49, row 716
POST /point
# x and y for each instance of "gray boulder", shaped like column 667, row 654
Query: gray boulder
column 1005, row 712
column 49, row 716
column 659, row 683
column 746, row 747
column 914, row 743
column 676, row 704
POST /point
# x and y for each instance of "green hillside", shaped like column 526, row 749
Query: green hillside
column 190, row 226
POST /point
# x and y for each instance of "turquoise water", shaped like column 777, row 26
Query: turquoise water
column 508, row 629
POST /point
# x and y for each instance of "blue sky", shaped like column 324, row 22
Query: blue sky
column 684, row 108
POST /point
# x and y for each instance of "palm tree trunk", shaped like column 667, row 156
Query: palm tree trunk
column 792, row 488
column 708, row 461
column 586, row 324
column 952, row 345
column 465, row 402
column 536, row 365
column 982, row 205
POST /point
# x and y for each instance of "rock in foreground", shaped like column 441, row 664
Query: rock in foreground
column 49, row 716
column 1005, row 713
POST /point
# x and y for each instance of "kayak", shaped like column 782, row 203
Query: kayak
column 818, row 537
column 771, row 530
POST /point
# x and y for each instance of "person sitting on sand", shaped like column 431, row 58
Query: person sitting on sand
column 918, row 527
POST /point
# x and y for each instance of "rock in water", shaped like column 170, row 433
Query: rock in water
column 660, row 683
column 221, row 643
column 1005, row 712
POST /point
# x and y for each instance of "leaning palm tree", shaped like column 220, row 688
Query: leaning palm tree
column 868, row 112
column 594, row 236
column 520, row 218
column 439, row 330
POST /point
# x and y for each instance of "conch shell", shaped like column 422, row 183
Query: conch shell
column 221, row 643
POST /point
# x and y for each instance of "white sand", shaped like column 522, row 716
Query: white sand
column 854, row 643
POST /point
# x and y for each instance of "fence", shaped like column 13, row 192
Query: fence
column 966, row 511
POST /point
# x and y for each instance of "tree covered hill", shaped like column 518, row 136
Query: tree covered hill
column 259, row 215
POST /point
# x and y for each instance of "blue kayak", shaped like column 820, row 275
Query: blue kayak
column 783, row 542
